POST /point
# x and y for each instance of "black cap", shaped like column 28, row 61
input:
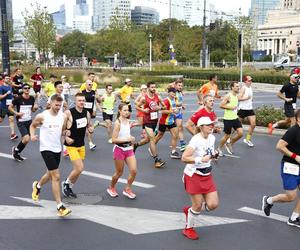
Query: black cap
column 53, row 76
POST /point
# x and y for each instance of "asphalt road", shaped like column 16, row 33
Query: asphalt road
column 154, row 220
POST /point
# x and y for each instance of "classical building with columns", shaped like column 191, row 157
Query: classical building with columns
column 280, row 33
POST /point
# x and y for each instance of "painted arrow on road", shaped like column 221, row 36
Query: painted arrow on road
column 131, row 220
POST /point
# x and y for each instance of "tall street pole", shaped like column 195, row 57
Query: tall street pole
column 150, row 52
column 4, row 38
column 242, row 54
column 204, row 37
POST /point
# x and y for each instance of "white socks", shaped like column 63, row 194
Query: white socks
column 270, row 201
column 192, row 215
column 294, row 216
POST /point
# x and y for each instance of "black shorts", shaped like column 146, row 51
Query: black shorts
column 37, row 90
column 163, row 127
column 151, row 125
column 24, row 127
column 243, row 113
column 107, row 116
column 231, row 124
column 289, row 110
column 51, row 159
column 91, row 113
column 4, row 112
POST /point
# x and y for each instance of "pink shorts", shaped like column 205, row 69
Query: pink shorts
column 120, row 154
column 198, row 184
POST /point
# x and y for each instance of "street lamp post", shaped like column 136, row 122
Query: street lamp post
column 4, row 37
column 150, row 52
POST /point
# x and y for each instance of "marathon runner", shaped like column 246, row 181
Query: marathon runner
column 49, row 88
column 150, row 104
column 91, row 98
column 5, row 100
column 58, row 91
column 78, row 121
column 289, row 146
column 198, row 180
column 207, row 110
column 167, row 121
column 210, row 88
column 230, row 119
column 179, row 116
column 37, row 79
column 52, row 124
column 126, row 93
column 108, row 100
column 245, row 98
column 17, row 83
column 24, row 105
column 289, row 94
column 91, row 77
column 123, row 153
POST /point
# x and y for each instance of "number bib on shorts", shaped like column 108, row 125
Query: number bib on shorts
column 290, row 168
column 154, row 115
column 88, row 105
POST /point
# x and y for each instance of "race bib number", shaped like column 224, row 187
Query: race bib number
column 81, row 123
column 294, row 105
column 38, row 82
column 88, row 105
column 290, row 168
column 8, row 102
column 26, row 110
column 154, row 115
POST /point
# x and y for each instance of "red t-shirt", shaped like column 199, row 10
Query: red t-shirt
column 37, row 80
column 201, row 113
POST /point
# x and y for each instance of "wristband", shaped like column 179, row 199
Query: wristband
column 198, row 160
column 294, row 155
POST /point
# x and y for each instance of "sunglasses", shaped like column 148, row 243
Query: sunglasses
column 26, row 88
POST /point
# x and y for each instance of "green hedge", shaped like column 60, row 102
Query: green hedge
column 268, row 114
column 262, row 76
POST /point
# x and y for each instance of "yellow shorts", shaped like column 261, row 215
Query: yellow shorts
column 76, row 153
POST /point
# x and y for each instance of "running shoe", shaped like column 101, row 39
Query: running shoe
column 149, row 150
column 190, row 233
column 96, row 124
column 221, row 154
column 228, row 147
column 67, row 190
column 63, row 211
column 294, row 223
column 13, row 137
column 249, row 143
column 128, row 193
column 175, row 155
column 270, row 128
column 266, row 207
column 35, row 191
column 16, row 155
column 182, row 147
column 110, row 141
column 112, row 192
column 92, row 146
column 159, row 163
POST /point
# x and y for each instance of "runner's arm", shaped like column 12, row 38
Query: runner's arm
column 139, row 105
column 282, row 147
column 282, row 97
column 190, row 127
column 37, row 121
column 225, row 103
column 241, row 96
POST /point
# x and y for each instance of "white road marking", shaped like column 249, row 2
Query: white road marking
column 9, row 156
column 258, row 212
column 130, row 220
column 232, row 156
column 4, row 126
column 121, row 180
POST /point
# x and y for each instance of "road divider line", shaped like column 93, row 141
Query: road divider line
column 121, row 180
column 258, row 212
column 6, row 156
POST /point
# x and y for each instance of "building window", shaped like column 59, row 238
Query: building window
column 291, row 32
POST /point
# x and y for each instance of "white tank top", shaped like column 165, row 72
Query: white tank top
column 247, row 104
column 50, row 132
column 124, row 130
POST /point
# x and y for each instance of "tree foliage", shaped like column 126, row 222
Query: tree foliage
column 39, row 29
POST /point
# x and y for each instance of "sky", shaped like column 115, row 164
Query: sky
column 161, row 5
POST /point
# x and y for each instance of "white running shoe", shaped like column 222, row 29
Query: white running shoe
column 220, row 152
column 92, row 146
column 228, row 147
column 249, row 143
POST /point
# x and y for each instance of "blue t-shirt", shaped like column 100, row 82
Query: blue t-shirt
column 6, row 100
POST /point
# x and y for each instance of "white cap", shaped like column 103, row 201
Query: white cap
column 63, row 76
column 143, row 86
column 128, row 80
column 295, row 76
column 204, row 120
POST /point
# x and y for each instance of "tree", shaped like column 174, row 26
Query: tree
column 39, row 30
